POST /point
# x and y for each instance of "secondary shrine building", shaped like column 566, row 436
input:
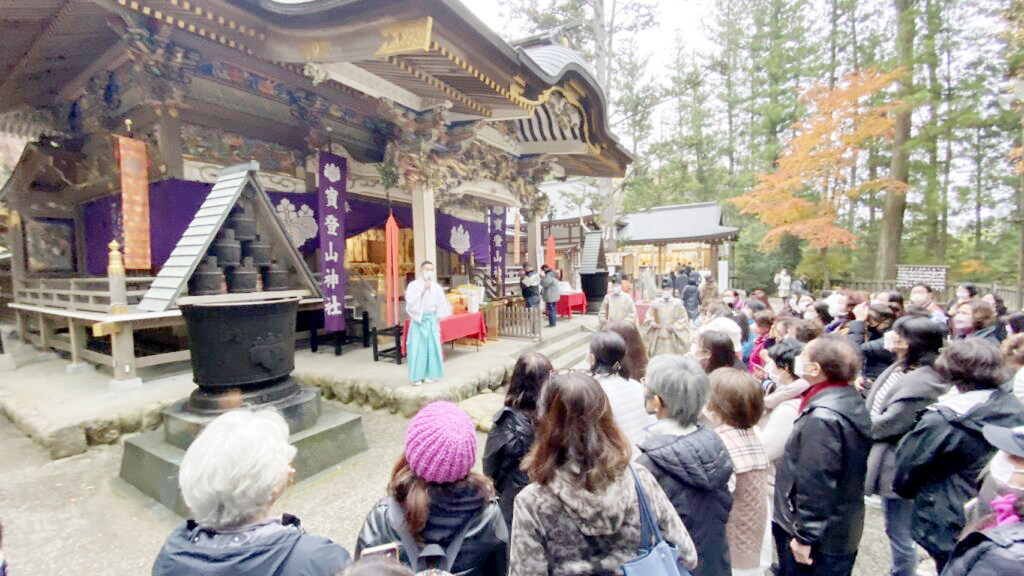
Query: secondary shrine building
column 410, row 108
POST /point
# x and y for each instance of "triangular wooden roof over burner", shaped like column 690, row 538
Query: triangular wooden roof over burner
column 232, row 184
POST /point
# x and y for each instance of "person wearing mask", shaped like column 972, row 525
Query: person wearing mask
column 634, row 365
column 736, row 404
column 818, row 514
column 976, row 319
column 900, row 393
column 426, row 305
column 512, row 434
column 921, row 295
column 230, row 477
column 891, row 299
column 625, row 397
column 839, row 307
column 551, row 294
column 867, row 333
column 530, row 286
column 819, row 312
column 764, row 322
column 689, row 461
column 617, row 305
column 731, row 298
column 581, row 514
column 760, row 294
column 964, row 292
column 750, row 307
column 782, row 406
column 666, row 326
column 715, row 350
column 690, row 296
column 1013, row 351
column 435, row 498
column 994, row 544
column 937, row 464
column 784, row 282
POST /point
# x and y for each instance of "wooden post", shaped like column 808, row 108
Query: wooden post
column 78, row 337
column 116, row 278
column 122, row 348
column 714, row 264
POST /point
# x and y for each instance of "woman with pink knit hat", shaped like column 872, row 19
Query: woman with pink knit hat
column 439, row 513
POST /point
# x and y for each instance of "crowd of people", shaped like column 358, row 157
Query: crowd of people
column 742, row 439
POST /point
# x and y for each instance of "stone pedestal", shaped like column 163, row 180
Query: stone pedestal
column 151, row 462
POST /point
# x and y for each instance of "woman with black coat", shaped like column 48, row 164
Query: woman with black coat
column 939, row 462
column 902, row 391
column 512, row 435
column 867, row 329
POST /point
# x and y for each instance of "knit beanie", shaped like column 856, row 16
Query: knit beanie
column 440, row 444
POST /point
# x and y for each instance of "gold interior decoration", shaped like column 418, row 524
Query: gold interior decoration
column 316, row 50
column 405, row 37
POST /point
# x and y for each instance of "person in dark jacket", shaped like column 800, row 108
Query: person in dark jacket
column 551, row 293
column 902, row 391
column 866, row 333
column 994, row 546
column 230, row 476
column 819, row 485
column 938, row 463
column 435, row 497
column 689, row 461
column 690, row 295
column 512, row 435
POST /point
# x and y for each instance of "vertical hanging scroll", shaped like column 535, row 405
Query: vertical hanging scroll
column 497, row 246
column 515, row 240
column 333, row 205
column 134, row 202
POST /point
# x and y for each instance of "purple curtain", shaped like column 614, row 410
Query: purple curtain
column 463, row 237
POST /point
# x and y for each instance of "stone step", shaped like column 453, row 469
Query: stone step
column 565, row 345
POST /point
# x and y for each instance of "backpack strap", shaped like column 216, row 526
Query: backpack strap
column 413, row 552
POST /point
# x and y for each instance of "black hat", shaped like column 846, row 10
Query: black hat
column 1009, row 440
column 666, row 283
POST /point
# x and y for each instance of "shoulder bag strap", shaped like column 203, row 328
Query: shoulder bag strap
column 650, row 532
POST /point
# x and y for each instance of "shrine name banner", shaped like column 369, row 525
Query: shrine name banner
column 332, row 204
column 496, row 218
column 134, row 203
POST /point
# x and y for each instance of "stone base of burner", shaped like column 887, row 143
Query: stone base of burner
column 150, row 463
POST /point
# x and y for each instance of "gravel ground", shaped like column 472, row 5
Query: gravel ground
column 73, row 516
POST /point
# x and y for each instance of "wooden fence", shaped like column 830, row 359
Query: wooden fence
column 515, row 320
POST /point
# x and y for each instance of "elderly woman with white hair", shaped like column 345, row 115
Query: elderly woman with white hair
column 689, row 461
column 230, row 476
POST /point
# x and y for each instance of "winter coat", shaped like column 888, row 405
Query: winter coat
column 549, row 286
column 690, row 295
column 270, row 548
column 561, row 529
column 694, row 470
column 995, row 552
column 819, row 483
column 507, row 443
column 990, row 333
column 485, row 548
column 626, row 399
column 938, row 463
column 871, row 346
column 917, row 390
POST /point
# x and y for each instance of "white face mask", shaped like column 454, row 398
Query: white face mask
column 1002, row 470
column 889, row 340
column 428, row 274
column 962, row 295
column 919, row 299
column 666, row 294
column 729, row 300
column 616, row 290
column 798, row 367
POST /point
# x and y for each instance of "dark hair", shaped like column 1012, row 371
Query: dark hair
column 634, row 363
column 764, row 320
column 853, row 298
column 924, row 340
column 895, row 302
column 425, row 262
column 719, row 346
column 413, row 493
column 528, row 377
column 972, row 290
column 982, row 313
column 926, row 287
column 736, row 397
column 1016, row 322
column 1000, row 304
column 755, row 305
column 692, row 280
column 838, row 359
column 881, row 315
column 821, row 308
column 377, row 567
column 784, row 355
column 972, row 364
column 577, row 426
column 609, row 350
column 1013, row 350
column 807, row 330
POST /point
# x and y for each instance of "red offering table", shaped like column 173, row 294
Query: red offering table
column 574, row 301
column 455, row 327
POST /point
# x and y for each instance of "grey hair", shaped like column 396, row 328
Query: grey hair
column 681, row 384
column 236, row 467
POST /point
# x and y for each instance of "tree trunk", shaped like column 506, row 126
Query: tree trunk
column 931, row 191
column 896, row 200
column 826, row 272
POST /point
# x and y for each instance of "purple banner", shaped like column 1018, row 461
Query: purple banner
column 463, row 237
column 496, row 218
column 332, row 201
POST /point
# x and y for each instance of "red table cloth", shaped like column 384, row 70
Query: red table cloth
column 455, row 327
column 569, row 302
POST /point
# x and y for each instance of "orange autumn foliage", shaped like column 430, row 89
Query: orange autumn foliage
column 812, row 179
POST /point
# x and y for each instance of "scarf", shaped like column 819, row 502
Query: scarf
column 817, row 388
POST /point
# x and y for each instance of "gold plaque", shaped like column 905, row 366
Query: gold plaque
column 406, row 37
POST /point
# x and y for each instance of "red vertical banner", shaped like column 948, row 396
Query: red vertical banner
column 391, row 270
column 134, row 203
column 333, row 206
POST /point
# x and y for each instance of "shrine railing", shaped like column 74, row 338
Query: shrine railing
column 515, row 320
column 85, row 294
